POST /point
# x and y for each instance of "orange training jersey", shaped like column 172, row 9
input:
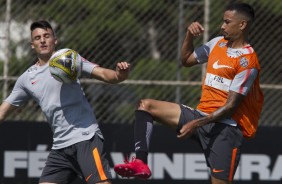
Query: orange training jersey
column 226, row 72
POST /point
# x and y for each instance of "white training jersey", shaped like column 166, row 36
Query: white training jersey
column 65, row 106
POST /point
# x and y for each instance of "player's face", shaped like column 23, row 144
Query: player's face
column 231, row 26
column 43, row 41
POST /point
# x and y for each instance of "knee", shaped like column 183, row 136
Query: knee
column 144, row 105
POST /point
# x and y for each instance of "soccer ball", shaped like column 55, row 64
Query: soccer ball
column 65, row 65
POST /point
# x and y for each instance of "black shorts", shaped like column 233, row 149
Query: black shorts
column 221, row 144
column 86, row 160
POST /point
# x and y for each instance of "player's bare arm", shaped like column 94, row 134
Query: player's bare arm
column 223, row 112
column 194, row 30
column 5, row 108
column 120, row 74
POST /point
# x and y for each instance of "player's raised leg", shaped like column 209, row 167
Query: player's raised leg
column 148, row 110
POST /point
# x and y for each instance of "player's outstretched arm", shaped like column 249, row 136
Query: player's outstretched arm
column 5, row 108
column 120, row 74
column 193, row 30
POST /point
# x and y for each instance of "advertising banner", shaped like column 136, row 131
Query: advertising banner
column 25, row 146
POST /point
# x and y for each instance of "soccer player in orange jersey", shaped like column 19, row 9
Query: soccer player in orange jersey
column 229, row 107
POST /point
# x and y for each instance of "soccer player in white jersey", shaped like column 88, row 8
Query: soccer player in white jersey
column 77, row 149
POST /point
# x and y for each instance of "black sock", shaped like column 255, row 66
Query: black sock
column 143, row 128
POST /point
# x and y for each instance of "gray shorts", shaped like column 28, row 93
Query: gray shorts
column 221, row 144
column 85, row 160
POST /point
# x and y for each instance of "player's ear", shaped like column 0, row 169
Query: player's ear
column 56, row 41
column 243, row 25
column 31, row 44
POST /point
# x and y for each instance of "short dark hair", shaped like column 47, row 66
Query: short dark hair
column 41, row 24
column 242, row 8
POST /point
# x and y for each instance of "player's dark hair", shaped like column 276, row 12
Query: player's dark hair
column 242, row 8
column 41, row 24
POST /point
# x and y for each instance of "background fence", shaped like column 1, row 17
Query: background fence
column 146, row 33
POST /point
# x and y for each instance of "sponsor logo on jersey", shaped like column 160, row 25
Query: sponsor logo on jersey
column 85, row 133
column 244, row 62
column 31, row 69
column 217, row 170
column 217, row 82
column 33, row 82
column 217, row 66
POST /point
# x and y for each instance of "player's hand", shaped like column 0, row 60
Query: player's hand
column 187, row 130
column 122, row 70
column 196, row 29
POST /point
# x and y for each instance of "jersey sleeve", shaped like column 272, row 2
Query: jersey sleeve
column 202, row 53
column 87, row 67
column 19, row 95
column 243, row 81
